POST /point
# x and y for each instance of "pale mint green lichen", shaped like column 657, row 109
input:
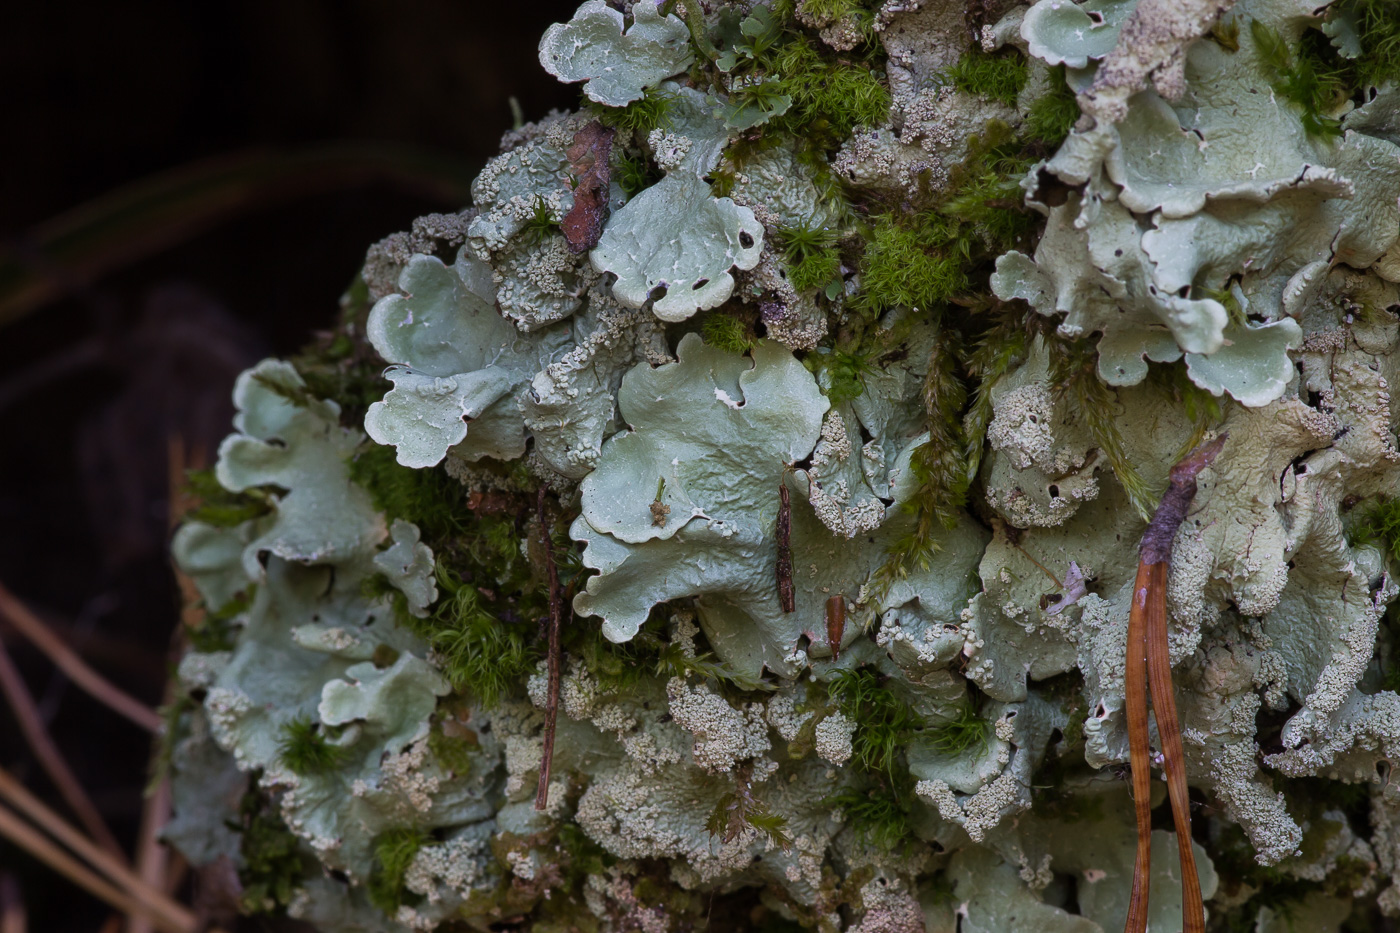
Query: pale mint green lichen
column 617, row 64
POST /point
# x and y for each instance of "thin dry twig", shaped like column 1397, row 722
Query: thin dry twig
column 156, row 904
column 13, row 918
column 67, row 660
column 31, row 724
column 556, row 618
column 36, row 844
column 1148, row 653
column 152, row 857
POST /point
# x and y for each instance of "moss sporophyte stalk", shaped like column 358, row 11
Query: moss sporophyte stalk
column 731, row 517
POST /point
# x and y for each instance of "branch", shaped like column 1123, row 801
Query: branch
column 31, row 724
column 67, row 660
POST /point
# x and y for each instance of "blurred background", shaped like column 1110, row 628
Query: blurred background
column 185, row 188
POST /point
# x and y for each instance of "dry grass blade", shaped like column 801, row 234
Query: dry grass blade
column 31, row 724
column 1139, row 743
column 67, row 660
column 157, row 904
column 36, row 844
column 1159, row 676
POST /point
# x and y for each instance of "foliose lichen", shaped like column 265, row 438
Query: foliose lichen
column 820, row 372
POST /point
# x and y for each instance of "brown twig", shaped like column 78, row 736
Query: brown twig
column 556, row 618
column 31, row 724
column 152, row 857
column 68, row 661
column 36, row 844
column 156, row 904
column 1148, row 653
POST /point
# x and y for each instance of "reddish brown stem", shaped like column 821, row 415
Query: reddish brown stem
column 1139, row 744
column 556, row 614
column 1147, row 628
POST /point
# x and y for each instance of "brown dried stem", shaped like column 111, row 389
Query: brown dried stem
column 174, row 919
column 158, row 905
column 556, row 618
column 31, row 724
column 67, row 660
column 1140, row 751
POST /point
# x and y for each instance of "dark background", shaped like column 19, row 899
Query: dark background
column 263, row 124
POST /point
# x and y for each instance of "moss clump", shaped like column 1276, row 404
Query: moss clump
column 650, row 111
column 810, row 254
column 1305, row 79
column 1074, row 372
column 306, row 751
column 965, row 731
column 908, row 262
column 1378, row 28
column 273, row 861
column 1050, row 117
column 830, row 96
column 219, row 507
column 726, row 333
column 394, row 852
column 996, row 77
column 925, row 259
column 1380, row 524
column 876, row 816
column 636, row 174
column 884, row 723
column 481, row 655
column 431, row 499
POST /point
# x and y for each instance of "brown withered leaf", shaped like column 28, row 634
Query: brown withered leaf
column 590, row 175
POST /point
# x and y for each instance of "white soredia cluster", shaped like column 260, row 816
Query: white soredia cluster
column 730, row 521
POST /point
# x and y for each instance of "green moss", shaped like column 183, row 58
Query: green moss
column 635, row 175
column 830, row 96
column 1074, row 372
column 1050, row 118
column 394, row 852
column 453, row 752
column 925, row 259
column 738, row 810
column 997, row 77
column 219, row 507
column 938, row 465
column 541, row 224
column 723, row 332
column 1002, row 348
column 884, row 723
column 966, row 730
column 810, row 254
column 1378, row 27
column 274, row 862
column 217, row 631
column 1380, row 524
column 843, row 373
column 431, row 499
column 481, row 655
column 911, row 262
column 650, row 111
column 876, row 816
column 1303, row 78
column 306, row 751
